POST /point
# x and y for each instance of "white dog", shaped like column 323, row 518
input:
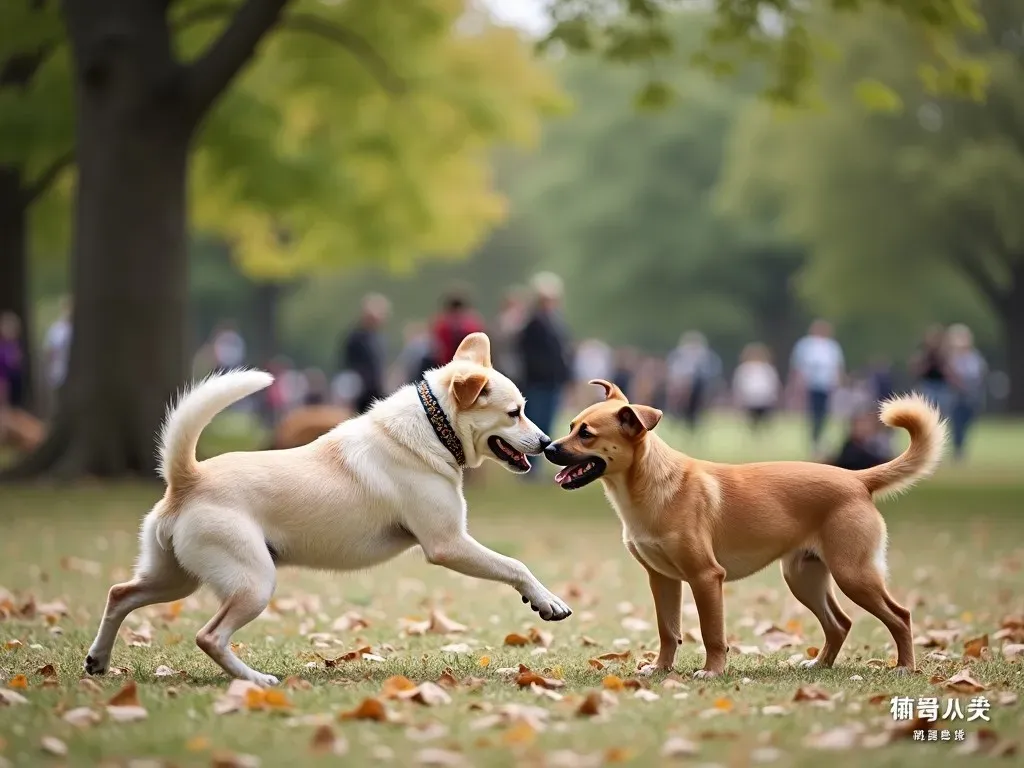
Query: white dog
column 371, row 488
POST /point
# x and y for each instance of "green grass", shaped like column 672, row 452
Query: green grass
column 956, row 555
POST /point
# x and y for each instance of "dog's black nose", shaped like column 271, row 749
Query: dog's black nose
column 545, row 441
column 551, row 449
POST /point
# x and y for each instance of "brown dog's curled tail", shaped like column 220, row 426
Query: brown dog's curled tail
column 927, row 429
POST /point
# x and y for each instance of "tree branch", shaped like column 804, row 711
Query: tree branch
column 965, row 261
column 47, row 177
column 311, row 24
column 209, row 75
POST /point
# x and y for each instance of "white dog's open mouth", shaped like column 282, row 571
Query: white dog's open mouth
column 515, row 459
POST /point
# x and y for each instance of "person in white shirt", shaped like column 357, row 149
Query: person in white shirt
column 817, row 367
column 593, row 360
column 756, row 385
column 228, row 347
column 57, row 347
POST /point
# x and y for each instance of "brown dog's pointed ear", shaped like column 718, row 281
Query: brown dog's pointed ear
column 611, row 392
column 637, row 419
column 475, row 348
column 466, row 389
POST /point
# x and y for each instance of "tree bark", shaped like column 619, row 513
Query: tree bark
column 1012, row 315
column 266, row 300
column 14, row 276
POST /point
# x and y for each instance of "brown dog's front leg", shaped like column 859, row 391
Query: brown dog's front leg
column 707, row 594
column 668, row 597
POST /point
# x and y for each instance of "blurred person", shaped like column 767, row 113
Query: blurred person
column 511, row 319
column 544, row 351
column 756, row 385
column 864, row 446
column 12, row 362
column 57, row 346
column 228, row 346
column 317, row 387
column 593, row 360
column 880, row 380
column 417, row 355
column 929, row 366
column 968, row 374
column 693, row 369
column 455, row 322
column 363, row 351
column 626, row 361
column 817, row 367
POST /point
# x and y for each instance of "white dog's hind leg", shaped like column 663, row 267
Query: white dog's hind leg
column 215, row 638
column 158, row 579
column 467, row 555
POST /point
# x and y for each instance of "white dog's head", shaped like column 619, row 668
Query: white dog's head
column 489, row 410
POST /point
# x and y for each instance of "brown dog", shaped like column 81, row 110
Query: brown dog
column 304, row 425
column 703, row 523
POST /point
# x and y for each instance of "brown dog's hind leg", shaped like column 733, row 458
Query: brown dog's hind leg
column 853, row 545
column 811, row 583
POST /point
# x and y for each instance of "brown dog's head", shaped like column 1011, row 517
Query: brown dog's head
column 602, row 439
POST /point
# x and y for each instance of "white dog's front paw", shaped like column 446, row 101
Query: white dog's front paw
column 96, row 662
column 808, row 663
column 549, row 606
column 263, row 681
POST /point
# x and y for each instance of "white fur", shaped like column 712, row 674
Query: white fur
column 371, row 488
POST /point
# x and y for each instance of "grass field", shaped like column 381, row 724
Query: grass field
column 956, row 557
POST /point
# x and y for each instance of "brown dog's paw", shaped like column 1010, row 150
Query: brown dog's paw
column 705, row 674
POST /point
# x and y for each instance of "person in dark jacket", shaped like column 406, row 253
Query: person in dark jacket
column 864, row 446
column 544, row 356
column 363, row 354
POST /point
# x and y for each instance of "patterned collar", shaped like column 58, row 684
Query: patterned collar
column 439, row 421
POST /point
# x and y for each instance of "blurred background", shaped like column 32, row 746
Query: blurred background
column 762, row 223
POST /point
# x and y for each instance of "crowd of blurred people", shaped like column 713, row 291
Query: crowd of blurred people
column 533, row 346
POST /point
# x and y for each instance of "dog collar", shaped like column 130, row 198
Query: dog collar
column 439, row 421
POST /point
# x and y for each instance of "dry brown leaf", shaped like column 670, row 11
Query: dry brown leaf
column 90, row 685
column 587, row 641
column 257, row 698
column 1012, row 651
column 326, row 742
column 350, row 621
column 974, row 647
column 54, row 746
column 540, row 637
column 224, row 759
column 164, row 671
column 613, row 656
column 13, row 645
column 612, row 683
column 368, row 709
column 963, row 682
column 811, row 693
column 677, row 746
column 81, row 717
column 396, row 685
column 618, row 755
column 521, row 733
column 128, row 713
column 528, row 678
column 426, row 732
column 516, row 639
column 428, row 694
column 128, row 696
column 596, row 664
column 18, row 682
column 439, row 624
column 812, row 652
column 356, row 655
column 594, row 703
column 296, row 683
column 723, row 704
column 484, row 661
column 448, row 679
column 47, row 670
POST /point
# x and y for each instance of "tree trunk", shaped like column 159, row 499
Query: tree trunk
column 1012, row 312
column 14, row 286
column 130, row 267
column 266, row 299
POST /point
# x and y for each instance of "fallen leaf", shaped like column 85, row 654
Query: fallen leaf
column 326, row 742
column 456, row 648
column 81, row 717
column 140, row 636
column 566, row 758
column 618, row 755
column 164, row 671
column 812, row 652
column 540, row 637
column 13, row 645
column 426, row 732
column 1006, row 698
column 90, row 685
column 484, row 661
column 266, row 699
column 10, row 698
column 811, row 693
column 612, row 656
column 128, row 696
column 349, row 621
column 356, row 655
column 224, row 759
column 774, row 710
column 635, row 624
column 839, row 738
column 521, row 733
column 19, row 682
column 396, row 685
column 516, row 639
column 596, row 664
column 54, row 746
column 47, row 670
column 368, row 709
column 428, row 694
column 612, row 683
column 439, row 624
column 295, row 683
column 1012, row 651
column 974, row 647
column 677, row 746
column 645, row 694
column 777, row 640
column 128, row 713
column 444, row 757
column 963, row 682
column 723, row 704
column 587, row 641
column 528, row 678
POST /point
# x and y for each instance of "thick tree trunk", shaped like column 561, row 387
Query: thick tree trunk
column 1012, row 312
column 14, row 285
column 129, row 263
column 266, row 300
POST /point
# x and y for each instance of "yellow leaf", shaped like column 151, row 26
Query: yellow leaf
column 484, row 661
column 613, row 683
column 878, row 97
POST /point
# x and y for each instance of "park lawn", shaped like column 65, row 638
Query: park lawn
column 957, row 553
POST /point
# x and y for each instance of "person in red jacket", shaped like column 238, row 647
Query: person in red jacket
column 455, row 322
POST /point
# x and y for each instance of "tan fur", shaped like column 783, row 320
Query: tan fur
column 704, row 523
column 304, row 425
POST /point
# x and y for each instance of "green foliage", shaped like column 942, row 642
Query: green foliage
column 908, row 211
column 783, row 36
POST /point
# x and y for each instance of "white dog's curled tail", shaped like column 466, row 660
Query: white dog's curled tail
column 193, row 411
column 927, row 429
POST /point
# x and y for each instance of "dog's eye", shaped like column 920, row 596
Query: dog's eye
column 585, row 434
column 515, row 413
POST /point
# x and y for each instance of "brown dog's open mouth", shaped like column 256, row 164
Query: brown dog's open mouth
column 515, row 459
column 577, row 475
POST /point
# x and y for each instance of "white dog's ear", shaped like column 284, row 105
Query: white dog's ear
column 475, row 348
column 611, row 392
column 637, row 419
column 467, row 388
